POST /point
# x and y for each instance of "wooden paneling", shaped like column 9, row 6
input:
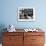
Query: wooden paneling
column 27, row 40
column 13, row 39
column 34, row 39
column 23, row 39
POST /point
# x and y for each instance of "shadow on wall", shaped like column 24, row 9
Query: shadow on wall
column 2, row 26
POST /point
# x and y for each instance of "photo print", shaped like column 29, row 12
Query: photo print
column 26, row 14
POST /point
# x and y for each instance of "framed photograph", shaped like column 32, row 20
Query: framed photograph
column 26, row 14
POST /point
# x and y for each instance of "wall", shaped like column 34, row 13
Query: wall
column 9, row 13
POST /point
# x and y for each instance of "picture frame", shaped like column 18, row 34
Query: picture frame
column 26, row 14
